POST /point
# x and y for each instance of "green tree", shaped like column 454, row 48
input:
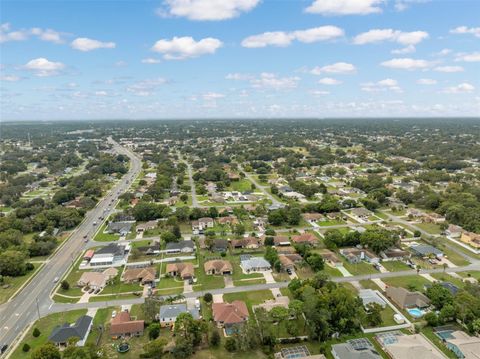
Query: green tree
column 154, row 348
column 36, row 332
column 208, row 297
column 12, row 263
column 46, row 351
column 153, row 330
column 374, row 314
column 230, row 344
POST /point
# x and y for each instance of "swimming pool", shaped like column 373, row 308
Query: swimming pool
column 415, row 312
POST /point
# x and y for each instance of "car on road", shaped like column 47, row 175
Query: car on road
column 56, row 279
column 85, row 236
column 95, row 223
column 4, row 348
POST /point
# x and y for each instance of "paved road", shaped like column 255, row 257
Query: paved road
column 35, row 299
column 261, row 188
column 193, row 190
column 429, row 235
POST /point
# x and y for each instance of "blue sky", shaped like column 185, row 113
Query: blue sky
column 239, row 59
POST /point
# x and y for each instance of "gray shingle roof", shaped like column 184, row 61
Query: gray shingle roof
column 61, row 333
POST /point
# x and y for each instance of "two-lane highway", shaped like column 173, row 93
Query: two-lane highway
column 17, row 314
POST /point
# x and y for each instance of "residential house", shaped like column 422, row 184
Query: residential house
column 426, row 250
column 142, row 227
column 279, row 241
column 433, row 218
column 97, row 280
column 331, row 258
column 400, row 346
column 122, row 326
column 229, row 314
column 288, row 261
column 312, row 217
column 121, row 228
column 394, row 254
column 356, row 255
column 143, row 275
column 470, row 238
column 152, row 249
column 220, row 245
column 182, row 270
column 453, row 231
column 80, row 329
column 198, row 227
column 361, row 213
column 305, row 238
column 254, row 264
column 360, row 348
column 180, row 247
column 168, row 313
column 246, row 243
column 463, row 345
column 218, row 267
column 406, row 299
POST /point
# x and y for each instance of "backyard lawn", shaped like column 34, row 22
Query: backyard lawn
column 359, row 268
column 395, row 266
column 244, row 185
column 250, row 298
column 414, row 282
column 46, row 325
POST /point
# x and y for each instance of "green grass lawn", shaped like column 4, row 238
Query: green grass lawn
column 250, row 298
column 369, row 284
column 414, row 281
column 387, row 318
column 45, row 325
column 359, row 268
column 240, row 283
column 473, row 274
column 105, row 237
column 332, row 272
column 14, row 283
column 332, row 222
column 240, row 186
column 444, row 277
column 381, row 215
column 431, row 228
column 395, row 266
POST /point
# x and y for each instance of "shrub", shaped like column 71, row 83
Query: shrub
column 36, row 332
column 65, row 285
column 26, row 347
column 208, row 297
column 230, row 344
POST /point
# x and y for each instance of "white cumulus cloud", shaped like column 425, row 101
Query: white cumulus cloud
column 329, row 81
column 43, row 67
column 448, row 69
column 283, row 38
column 150, row 60
column 426, row 82
column 466, row 30
column 472, row 57
column 207, row 10
column 10, row 78
column 344, row 7
column 460, row 88
column 85, row 44
column 271, row 81
column 49, row 35
column 180, row 48
column 406, row 64
column 336, row 68
column 382, row 85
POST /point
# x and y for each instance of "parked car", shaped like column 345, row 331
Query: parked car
column 289, row 271
column 96, row 291
column 4, row 348
column 114, row 314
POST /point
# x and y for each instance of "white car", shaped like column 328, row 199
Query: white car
column 114, row 314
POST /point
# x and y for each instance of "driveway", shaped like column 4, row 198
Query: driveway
column 228, row 281
column 268, row 277
column 217, row 298
column 187, row 288
column 344, row 271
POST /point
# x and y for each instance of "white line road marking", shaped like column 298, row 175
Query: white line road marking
column 50, row 307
